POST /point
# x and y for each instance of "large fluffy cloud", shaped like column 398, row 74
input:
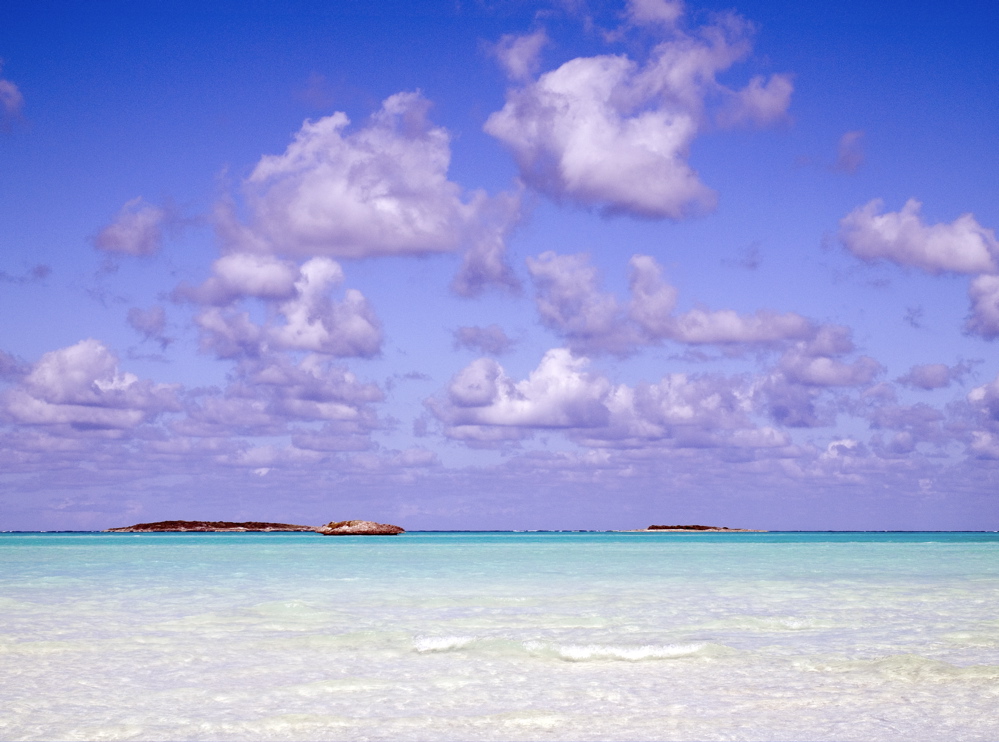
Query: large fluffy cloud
column 379, row 190
column 570, row 302
column 300, row 295
column 963, row 246
column 484, row 405
column 902, row 237
column 610, row 132
column 81, row 388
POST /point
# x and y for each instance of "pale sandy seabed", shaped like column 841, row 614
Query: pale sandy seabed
column 533, row 636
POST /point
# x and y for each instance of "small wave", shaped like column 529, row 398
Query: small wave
column 425, row 644
column 632, row 653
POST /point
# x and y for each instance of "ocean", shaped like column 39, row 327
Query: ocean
column 500, row 636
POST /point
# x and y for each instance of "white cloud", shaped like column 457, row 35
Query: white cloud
column 136, row 230
column 963, row 246
column 557, row 394
column 793, row 392
column 933, row 375
column 379, row 190
column 824, row 372
column 985, row 398
column 266, row 395
column 605, row 131
column 653, row 301
column 312, row 320
column 984, row 319
column 315, row 323
column 151, row 323
column 484, row 406
column 655, row 12
column 571, row 303
column 521, row 55
column 761, row 103
column 489, row 339
column 242, row 275
column 984, row 401
column 817, row 362
column 81, row 387
column 11, row 98
column 984, row 445
column 850, row 152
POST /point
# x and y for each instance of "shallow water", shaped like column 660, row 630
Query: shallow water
column 499, row 636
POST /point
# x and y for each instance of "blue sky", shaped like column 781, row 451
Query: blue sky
column 500, row 264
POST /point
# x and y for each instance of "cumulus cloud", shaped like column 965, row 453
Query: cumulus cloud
column 557, row 394
column 792, row 392
column 151, row 323
column 491, row 339
column 912, row 424
column 11, row 367
column 81, row 387
column 244, row 275
column 850, row 152
column 653, row 301
column 762, row 102
column 984, row 318
column 11, row 98
column 484, row 405
column 933, row 375
column 817, row 362
column 266, row 395
column 570, row 302
column 984, row 401
column 312, row 320
column 136, row 230
column 654, row 12
column 902, row 237
column 609, row 132
column 379, row 190
column 520, row 56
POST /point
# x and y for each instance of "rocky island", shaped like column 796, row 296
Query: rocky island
column 359, row 528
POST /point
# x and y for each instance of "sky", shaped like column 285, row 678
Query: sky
column 493, row 264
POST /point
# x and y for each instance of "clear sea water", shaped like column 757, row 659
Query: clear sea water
column 571, row 636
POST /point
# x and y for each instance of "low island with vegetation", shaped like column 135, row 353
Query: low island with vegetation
column 698, row 529
column 333, row 528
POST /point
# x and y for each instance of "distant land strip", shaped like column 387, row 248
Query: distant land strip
column 207, row 526
column 334, row 528
column 699, row 529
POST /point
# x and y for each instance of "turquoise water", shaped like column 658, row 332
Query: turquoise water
column 500, row 636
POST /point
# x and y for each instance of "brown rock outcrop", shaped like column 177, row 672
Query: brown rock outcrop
column 359, row 528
